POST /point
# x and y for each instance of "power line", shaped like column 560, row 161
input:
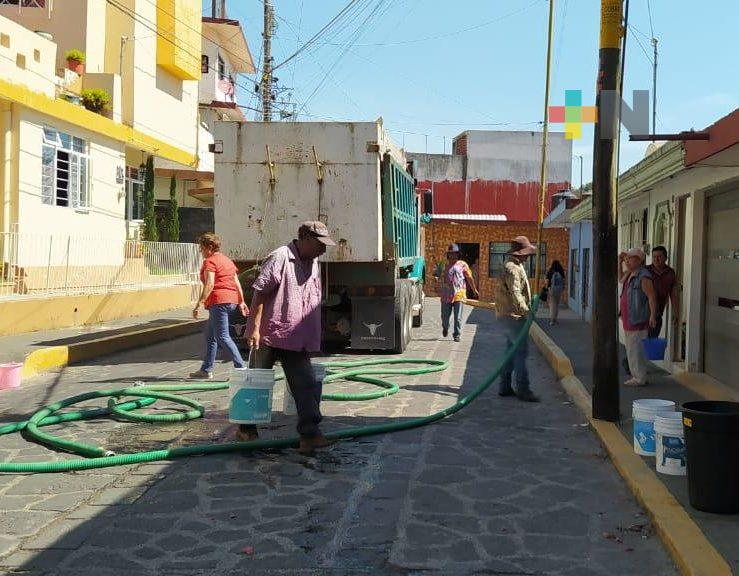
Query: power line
column 318, row 34
column 651, row 22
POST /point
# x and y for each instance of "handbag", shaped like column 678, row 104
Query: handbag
column 544, row 294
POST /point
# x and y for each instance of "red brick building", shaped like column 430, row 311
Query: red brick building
column 484, row 244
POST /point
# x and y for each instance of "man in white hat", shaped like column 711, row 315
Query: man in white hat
column 512, row 306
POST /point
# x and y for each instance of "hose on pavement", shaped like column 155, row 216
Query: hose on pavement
column 97, row 457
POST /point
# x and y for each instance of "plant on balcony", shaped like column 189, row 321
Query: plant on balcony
column 76, row 61
column 95, row 100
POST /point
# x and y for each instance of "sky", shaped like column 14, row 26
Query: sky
column 432, row 69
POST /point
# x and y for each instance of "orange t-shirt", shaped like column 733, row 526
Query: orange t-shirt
column 225, row 290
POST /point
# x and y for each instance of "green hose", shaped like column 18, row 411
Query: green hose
column 98, row 457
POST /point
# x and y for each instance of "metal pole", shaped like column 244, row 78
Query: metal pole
column 66, row 272
column 267, row 62
column 427, row 143
column 581, row 160
column 124, row 39
column 544, row 146
column 605, row 219
column 654, row 88
column 213, row 8
column 48, row 263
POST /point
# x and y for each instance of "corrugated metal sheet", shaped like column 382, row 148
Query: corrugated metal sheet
column 468, row 217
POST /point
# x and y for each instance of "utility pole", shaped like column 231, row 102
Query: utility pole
column 267, row 62
column 654, row 88
column 581, row 160
column 605, row 220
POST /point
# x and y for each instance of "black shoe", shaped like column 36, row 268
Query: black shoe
column 528, row 397
column 444, row 333
column 456, row 338
column 505, row 393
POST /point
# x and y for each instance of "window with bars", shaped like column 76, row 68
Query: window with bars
column 65, row 172
column 134, row 193
column 499, row 255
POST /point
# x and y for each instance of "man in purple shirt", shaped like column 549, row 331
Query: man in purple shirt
column 285, row 326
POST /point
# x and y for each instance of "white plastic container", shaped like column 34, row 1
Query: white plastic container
column 10, row 375
column 288, row 402
column 250, row 390
column 643, row 413
column 670, row 440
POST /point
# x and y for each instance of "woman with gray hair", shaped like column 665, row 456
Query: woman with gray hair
column 638, row 307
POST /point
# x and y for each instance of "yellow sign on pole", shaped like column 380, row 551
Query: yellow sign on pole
column 611, row 27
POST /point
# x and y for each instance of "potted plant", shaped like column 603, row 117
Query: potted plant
column 76, row 61
column 95, row 100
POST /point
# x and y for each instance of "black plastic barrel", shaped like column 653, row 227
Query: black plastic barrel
column 712, row 448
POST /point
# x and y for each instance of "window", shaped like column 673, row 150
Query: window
column 134, row 193
column 428, row 202
column 65, row 171
column 204, row 64
column 24, row 3
column 499, row 255
column 221, row 68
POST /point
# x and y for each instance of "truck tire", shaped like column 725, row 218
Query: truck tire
column 403, row 317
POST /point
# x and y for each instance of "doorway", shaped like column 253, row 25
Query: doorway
column 679, row 265
column 470, row 253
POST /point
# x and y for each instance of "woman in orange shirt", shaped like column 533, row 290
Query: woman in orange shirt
column 221, row 295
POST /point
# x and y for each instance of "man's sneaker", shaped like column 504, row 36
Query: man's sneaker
column 201, row 375
column 308, row 445
column 528, row 396
column 456, row 338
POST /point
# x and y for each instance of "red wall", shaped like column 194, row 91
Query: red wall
column 516, row 201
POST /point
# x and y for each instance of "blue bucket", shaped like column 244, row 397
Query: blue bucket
column 655, row 348
column 251, row 396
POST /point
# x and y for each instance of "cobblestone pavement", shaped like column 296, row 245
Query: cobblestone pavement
column 501, row 488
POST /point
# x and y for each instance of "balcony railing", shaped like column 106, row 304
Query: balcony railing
column 35, row 265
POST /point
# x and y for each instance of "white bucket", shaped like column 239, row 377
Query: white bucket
column 250, row 390
column 288, row 402
column 643, row 413
column 670, row 436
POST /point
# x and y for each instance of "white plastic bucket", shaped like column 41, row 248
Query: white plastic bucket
column 670, row 439
column 643, row 413
column 250, row 390
column 288, row 402
column 10, row 375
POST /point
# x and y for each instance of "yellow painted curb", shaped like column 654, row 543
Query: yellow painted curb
column 553, row 353
column 46, row 359
column 691, row 550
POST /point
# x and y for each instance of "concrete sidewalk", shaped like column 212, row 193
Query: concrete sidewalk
column 45, row 351
column 574, row 337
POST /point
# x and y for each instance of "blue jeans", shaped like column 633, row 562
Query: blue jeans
column 446, row 311
column 217, row 333
column 512, row 327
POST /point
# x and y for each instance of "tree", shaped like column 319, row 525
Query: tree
column 173, row 217
column 150, row 233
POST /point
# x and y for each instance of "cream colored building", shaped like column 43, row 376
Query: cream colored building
column 225, row 56
column 68, row 174
column 146, row 55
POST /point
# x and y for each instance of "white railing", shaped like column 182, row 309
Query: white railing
column 36, row 265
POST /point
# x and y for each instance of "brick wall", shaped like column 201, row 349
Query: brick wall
column 439, row 234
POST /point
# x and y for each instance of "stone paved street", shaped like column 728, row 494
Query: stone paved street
column 502, row 487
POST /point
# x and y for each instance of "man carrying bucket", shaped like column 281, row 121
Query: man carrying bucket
column 285, row 326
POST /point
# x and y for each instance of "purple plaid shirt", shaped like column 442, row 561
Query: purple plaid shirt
column 291, row 319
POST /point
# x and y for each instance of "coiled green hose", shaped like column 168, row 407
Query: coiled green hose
column 98, row 457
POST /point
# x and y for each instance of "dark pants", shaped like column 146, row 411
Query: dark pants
column 516, row 365
column 447, row 308
column 217, row 333
column 304, row 386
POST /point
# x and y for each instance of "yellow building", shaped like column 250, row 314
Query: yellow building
column 67, row 172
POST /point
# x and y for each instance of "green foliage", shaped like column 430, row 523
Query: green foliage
column 150, row 232
column 75, row 54
column 173, row 217
column 95, row 100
